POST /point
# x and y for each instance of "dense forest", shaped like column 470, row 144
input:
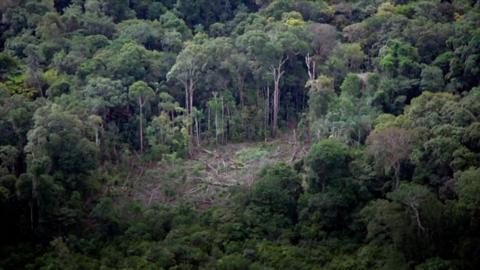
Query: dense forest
column 101, row 100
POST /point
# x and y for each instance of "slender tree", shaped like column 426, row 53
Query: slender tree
column 188, row 70
column 141, row 92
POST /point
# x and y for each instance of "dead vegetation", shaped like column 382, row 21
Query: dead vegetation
column 208, row 176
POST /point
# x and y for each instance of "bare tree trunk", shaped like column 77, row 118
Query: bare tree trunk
column 97, row 137
column 417, row 217
column 216, row 126
column 223, row 121
column 242, row 102
column 190, row 105
column 187, row 107
column 216, row 116
column 208, row 120
column 187, row 86
column 229, row 116
column 276, row 93
column 192, row 88
column 275, row 102
column 277, row 73
column 197, row 128
column 267, row 111
column 140, row 103
column 311, row 67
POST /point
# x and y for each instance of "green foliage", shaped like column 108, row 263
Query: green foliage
column 432, row 79
column 398, row 57
column 320, row 94
column 347, row 117
column 60, row 137
column 105, row 94
column 166, row 135
column 384, row 94
column 327, row 211
column 273, row 200
column 347, row 57
column 251, row 155
column 351, row 86
column 327, row 160
column 434, row 264
column 140, row 90
column 467, row 187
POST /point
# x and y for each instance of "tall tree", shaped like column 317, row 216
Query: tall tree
column 188, row 70
column 239, row 69
column 323, row 38
column 272, row 47
column 59, row 159
column 286, row 40
column 141, row 92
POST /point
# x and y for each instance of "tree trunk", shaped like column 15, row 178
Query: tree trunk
column 240, row 90
column 417, row 216
column 267, row 112
column 197, row 128
column 223, row 121
column 208, row 120
column 191, row 89
column 277, row 73
column 140, row 103
column 276, row 94
column 97, row 137
column 187, row 107
column 311, row 67
column 190, row 109
column 228, row 123
column 216, row 121
column 242, row 104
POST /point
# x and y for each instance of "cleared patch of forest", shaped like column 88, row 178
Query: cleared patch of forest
column 209, row 175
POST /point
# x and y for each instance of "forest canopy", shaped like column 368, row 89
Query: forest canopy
column 240, row 134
